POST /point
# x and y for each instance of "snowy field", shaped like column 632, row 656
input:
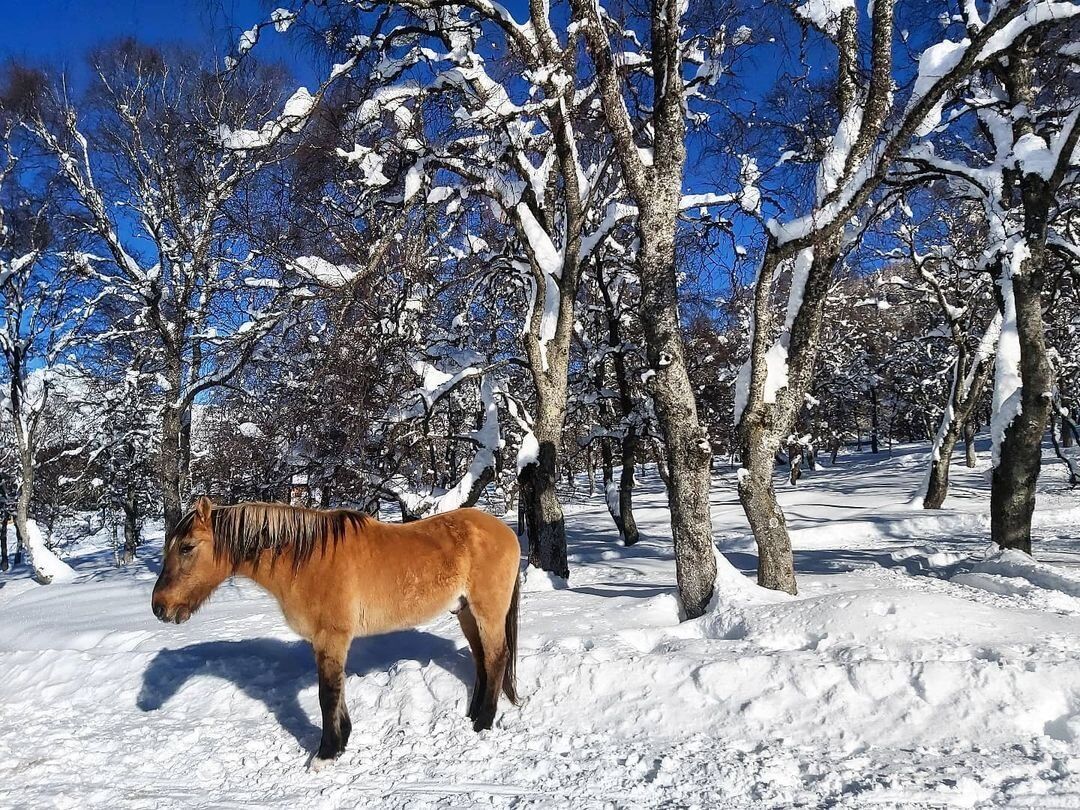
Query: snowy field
column 912, row 671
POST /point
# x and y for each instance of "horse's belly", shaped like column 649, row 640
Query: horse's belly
column 406, row 613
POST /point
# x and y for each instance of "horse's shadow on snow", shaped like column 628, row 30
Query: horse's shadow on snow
column 275, row 672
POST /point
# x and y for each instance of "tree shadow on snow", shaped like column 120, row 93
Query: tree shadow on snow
column 842, row 561
column 275, row 672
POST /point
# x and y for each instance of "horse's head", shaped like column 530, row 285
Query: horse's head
column 191, row 569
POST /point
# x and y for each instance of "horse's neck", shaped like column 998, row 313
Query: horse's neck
column 273, row 572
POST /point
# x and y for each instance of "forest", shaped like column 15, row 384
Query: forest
column 406, row 256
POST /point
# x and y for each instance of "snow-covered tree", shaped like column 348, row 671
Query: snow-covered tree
column 153, row 165
column 873, row 132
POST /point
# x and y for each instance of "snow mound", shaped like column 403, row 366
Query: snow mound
column 536, row 581
column 1013, row 572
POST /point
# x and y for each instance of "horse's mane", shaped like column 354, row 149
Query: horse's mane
column 243, row 531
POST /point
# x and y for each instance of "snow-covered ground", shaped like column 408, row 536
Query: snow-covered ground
column 910, row 671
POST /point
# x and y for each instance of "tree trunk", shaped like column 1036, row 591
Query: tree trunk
column 775, row 566
column 937, row 485
column 970, row 459
column 132, row 532
column 688, row 450
column 611, row 491
column 1012, row 489
column 545, row 522
column 628, row 528
column 170, row 468
column 4, row 562
column 874, row 420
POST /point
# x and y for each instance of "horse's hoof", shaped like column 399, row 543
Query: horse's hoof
column 482, row 723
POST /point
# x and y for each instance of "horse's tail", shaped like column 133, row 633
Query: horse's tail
column 509, row 683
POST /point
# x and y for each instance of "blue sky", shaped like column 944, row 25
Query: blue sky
column 58, row 33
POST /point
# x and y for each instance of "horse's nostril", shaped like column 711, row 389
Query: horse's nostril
column 159, row 610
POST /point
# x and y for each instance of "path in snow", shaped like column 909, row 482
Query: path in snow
column 908, row 672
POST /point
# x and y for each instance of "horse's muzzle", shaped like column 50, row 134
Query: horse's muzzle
column 179, row 616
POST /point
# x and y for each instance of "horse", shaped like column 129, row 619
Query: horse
column 339, row 574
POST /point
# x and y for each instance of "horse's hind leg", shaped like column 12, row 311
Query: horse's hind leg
column 496, row 655
column 472, row 634
column 330, row 652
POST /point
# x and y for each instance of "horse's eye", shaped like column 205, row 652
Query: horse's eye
column 187, row 548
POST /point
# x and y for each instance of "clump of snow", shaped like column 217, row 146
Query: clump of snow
column 250, row 430
column 324, row 272
column 935, row 63
column 528, row 451
column 282, row 19
column 1008, row 384
column 824, row 14
column 46, row 564
column 248, row 39
column 535, row 580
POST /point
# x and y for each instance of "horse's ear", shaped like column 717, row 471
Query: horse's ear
column 202, row 510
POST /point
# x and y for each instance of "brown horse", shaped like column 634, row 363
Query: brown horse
column 338, row 574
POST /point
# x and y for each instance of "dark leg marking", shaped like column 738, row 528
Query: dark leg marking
column 472, row 635
column 336, row 723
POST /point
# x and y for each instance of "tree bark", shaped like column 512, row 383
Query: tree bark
column 170, row 468
column 776, row 568
column 545, row 521
column 688, row 450
column 656, row 188
column 132, row 533
column 970, row 459
column 937, row 485
column 5, row 564
column 628, row 529
column 1012, row 488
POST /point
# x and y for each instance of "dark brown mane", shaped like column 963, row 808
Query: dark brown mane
column 243, row 531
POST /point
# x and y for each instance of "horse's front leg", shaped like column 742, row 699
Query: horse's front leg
column 330, row 653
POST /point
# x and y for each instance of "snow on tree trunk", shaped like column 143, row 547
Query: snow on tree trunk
column 47, row 567
column 963, row 395
column 547, row 529
column 1021, row 406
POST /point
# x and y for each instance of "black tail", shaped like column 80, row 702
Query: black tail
column 509, row 683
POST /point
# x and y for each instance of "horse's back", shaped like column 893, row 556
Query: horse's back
column 411, row 572
column 483, row 541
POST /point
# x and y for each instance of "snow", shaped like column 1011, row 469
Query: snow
column 282, row 19
column 324, row 272
column 48, row 566
column 528, row 451
column 1008, row 383
column 299, row 104
column 295, row 112
column 912, row 670
column 250, row 430
column 1033, row 156
column 824, row 14
column 248, row 40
